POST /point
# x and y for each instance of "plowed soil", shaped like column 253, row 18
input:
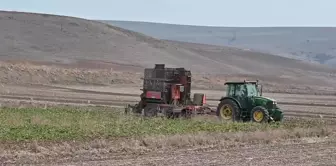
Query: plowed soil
column 310, row 106
column 302, row 154
column 304, row 151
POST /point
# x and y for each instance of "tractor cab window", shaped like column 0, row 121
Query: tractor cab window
column 230, row 90
column 251, row 90
column 236, row 90
column 240, row 90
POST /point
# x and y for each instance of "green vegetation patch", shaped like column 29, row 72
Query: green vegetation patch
column 19, row 124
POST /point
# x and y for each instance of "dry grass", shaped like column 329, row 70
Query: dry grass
column 79, row 123
column 51, row 151
column 32, row 134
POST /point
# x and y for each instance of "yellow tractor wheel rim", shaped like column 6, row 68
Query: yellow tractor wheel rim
column 258, row 116
column 226, row 112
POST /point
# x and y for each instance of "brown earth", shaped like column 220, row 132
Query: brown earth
column 296, row 147
column 313, row 44
column 294, row 105
column 105, row 55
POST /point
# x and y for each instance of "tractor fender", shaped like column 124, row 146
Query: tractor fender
column 231, row 98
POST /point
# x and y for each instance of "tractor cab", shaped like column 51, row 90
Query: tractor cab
column 243, row 89
column 244, row 101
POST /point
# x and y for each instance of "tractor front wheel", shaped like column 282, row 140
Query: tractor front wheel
column 259, row 114
column 228, row 110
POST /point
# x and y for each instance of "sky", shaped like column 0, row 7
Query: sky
column 241, row 13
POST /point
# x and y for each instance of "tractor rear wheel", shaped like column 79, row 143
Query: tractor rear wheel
column 259, row 114
column 228, row 110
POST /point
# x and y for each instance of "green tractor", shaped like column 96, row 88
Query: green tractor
column 244, row 102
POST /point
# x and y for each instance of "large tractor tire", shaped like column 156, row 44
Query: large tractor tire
column 228, row 110
column 259, row 114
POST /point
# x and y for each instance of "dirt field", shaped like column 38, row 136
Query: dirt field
column 313, row 106
column 308, row 150
column 53, row 60
column 287, row 154
column 262, row 149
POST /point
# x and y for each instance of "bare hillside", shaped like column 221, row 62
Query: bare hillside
column 51, row 38
column 74, row 42
column 315, row 44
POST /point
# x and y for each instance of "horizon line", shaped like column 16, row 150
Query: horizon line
column 218, row 26
column 168, row 23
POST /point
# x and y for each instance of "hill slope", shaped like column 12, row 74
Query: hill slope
column 311, row 44
column 50, row 38
column 75, row 42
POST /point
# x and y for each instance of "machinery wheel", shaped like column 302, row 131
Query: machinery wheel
column 228, row 110
column 186, row 114
column 259, row 114
column 150, row 110
column 169, row 113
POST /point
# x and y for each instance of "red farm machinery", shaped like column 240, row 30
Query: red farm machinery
column 167, row 92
